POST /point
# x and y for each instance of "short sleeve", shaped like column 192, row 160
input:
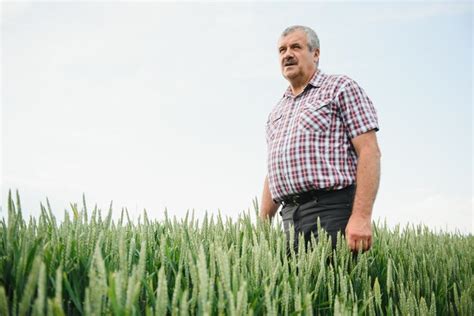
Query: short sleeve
column 357, row 111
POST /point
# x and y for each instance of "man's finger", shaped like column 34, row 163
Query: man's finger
column 361, row 245
column 351, row 243
column 369, row 243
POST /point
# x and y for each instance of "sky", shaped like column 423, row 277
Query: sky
column 163, row 105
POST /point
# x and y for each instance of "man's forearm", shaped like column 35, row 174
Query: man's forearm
column 268, row 207
column 368, row 178
column 359, row 226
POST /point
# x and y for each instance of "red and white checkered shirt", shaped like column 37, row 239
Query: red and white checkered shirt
column 309, row 136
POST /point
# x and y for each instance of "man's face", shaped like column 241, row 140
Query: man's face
column 296, row 60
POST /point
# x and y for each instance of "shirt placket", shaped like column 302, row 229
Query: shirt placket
column 294, row 108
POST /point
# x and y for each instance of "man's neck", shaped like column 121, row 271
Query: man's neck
column 298, row 86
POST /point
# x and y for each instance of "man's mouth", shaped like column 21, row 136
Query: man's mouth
column 290, row 63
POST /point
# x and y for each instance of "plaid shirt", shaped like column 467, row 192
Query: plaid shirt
column 309, row 136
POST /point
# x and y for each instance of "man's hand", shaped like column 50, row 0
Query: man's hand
column 268, row 207
column 359, row 227
column 359, row 233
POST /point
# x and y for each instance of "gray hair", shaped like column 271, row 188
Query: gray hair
column 311, row 36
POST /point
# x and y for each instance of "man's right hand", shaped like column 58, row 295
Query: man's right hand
column 268, row 208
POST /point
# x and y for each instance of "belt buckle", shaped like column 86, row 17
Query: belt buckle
column 295, row 198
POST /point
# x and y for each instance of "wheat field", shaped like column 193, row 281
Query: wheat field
column 90, row 265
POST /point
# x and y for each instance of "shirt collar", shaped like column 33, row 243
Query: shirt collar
column 315, row 81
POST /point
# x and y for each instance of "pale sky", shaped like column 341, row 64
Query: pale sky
column 163, row 105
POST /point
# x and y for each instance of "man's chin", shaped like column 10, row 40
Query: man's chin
column 290, row 74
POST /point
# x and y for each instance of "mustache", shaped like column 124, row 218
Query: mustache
column 289, row 62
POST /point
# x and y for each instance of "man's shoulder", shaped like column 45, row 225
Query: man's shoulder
column 330, row 85
column 335, row 80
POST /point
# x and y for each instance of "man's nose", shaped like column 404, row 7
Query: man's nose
column 287, row 54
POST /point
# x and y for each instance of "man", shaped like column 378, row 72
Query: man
column 323, row 156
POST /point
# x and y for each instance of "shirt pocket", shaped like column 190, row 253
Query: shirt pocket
column 315, row 116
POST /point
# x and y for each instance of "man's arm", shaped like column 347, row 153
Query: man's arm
column 359, row 227
column 268, row 207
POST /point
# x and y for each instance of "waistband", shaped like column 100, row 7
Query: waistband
column 301, row 198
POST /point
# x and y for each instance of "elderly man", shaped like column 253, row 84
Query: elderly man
column 323, row 157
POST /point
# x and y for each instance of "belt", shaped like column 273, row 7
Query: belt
column 301, row 198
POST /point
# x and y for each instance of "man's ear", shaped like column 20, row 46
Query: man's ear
column 316, row 54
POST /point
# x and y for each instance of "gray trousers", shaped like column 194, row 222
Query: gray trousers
column 333, row 209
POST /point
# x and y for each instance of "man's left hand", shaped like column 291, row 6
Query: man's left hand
column 359, row 232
